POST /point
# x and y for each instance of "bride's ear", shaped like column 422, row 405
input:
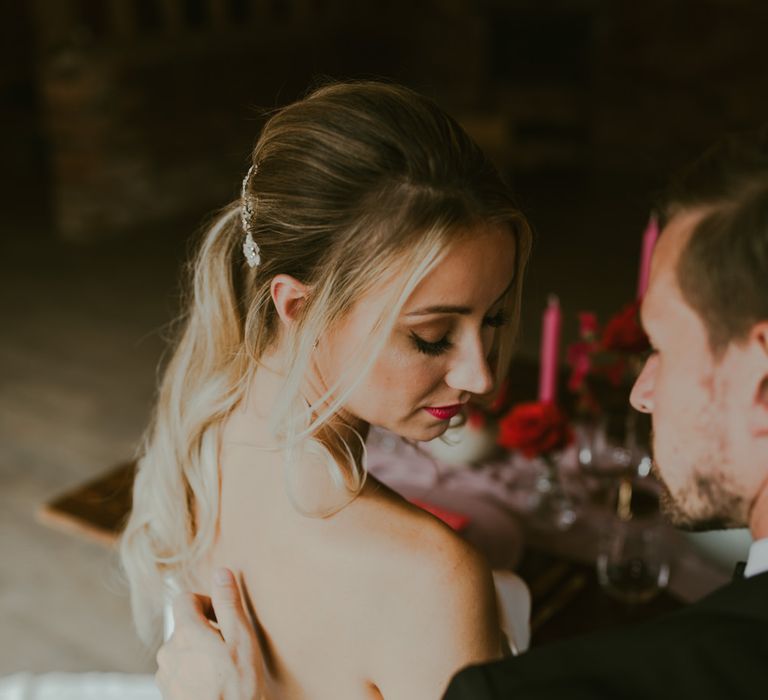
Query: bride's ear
column 288, row 296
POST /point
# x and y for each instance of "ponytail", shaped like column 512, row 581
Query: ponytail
column 167, row 535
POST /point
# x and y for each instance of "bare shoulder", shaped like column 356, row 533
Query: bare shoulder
column 434, row 600
column 408, row 536
column 444, row 574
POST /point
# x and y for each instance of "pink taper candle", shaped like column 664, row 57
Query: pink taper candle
column 550, row 349
column 646, row 252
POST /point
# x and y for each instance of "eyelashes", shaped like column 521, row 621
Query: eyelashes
column 444, row 344
column 427, row 348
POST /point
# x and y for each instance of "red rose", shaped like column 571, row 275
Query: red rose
column 535, row 429
column 623, row 332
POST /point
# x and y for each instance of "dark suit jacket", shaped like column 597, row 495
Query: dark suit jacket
column 716, row 648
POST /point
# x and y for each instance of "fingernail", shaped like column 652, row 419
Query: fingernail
column 221, row 576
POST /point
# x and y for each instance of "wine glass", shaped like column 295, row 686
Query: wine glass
column 556, row 505
column 605, row 461
column 632, row 560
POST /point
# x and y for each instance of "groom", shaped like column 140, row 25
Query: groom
column 706, row 387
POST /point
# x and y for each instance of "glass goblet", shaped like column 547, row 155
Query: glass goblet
column 632, row 561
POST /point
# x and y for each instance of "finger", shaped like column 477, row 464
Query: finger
column 206, row 605
column 190, row 609
column 228, row 606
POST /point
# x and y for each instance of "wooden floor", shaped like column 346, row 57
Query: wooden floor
column 80, row 338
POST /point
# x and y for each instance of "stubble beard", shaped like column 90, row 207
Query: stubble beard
column 719, row 508
column 709, row 500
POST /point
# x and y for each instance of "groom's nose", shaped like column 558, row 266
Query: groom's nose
column 641, row 397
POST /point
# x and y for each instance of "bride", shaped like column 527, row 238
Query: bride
column 370, row 274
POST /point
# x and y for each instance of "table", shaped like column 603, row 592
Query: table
column 493, row 496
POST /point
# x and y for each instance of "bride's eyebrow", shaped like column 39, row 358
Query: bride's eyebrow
column 449, row 309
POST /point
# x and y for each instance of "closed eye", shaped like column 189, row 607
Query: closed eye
column 437, row 348
column 445, row 344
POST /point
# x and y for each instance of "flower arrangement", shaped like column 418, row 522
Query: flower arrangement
column 541, row 429
column 605, row 362
column 536, row 429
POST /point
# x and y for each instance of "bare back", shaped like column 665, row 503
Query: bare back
column 378, row 600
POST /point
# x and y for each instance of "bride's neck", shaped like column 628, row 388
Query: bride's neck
column 264, row 390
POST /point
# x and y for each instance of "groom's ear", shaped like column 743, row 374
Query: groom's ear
column 758, row 341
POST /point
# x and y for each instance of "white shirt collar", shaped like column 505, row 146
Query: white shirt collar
column 757, row 562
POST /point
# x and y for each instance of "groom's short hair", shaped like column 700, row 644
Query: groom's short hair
column 723, row 270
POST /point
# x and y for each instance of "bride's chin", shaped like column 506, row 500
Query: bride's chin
column 434, row 431
column 419, row 428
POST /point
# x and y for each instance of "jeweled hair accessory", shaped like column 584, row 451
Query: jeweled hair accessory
column 247, row 215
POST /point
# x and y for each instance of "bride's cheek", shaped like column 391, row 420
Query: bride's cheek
column 405, row 369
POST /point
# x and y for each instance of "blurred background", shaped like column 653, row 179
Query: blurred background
column 125, row 122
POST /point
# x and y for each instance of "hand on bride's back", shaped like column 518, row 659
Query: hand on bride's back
column 201, row 662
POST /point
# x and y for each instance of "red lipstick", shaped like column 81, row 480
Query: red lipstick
column 444, row 412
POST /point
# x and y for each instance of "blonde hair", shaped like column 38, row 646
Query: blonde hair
column 359, row 186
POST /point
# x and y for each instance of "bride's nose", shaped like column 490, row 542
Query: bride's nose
column 469, row 370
